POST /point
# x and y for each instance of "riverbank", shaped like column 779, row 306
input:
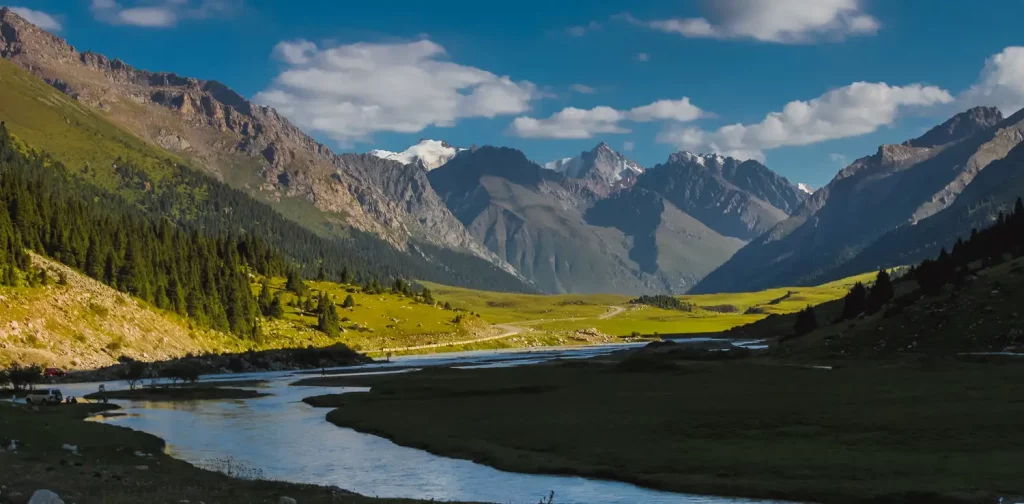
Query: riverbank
column 116, row 465
column 943, row 431
column 211, row 392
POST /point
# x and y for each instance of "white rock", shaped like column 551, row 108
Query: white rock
column 286, row 500
column 71, row 448
column 13, row 446
column 142, row 467
column 45, row 497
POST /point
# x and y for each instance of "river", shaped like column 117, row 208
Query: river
column 279, row 437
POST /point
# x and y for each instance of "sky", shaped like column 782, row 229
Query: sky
column 806, row 86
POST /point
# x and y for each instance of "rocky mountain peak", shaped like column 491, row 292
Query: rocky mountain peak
column 716, row 161
column 18, row 36
column 602, row 165
column 958, row 127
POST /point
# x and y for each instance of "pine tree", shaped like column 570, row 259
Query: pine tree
column 855, row 302
column 321, row 274
column 428, row 297
column 263, row 300
column 881, row 292
column 10, row 277
column 806, row 321
column 327, row 317
column 276, row 307
column 346, row 277
column 295, row 283
column 349, row 302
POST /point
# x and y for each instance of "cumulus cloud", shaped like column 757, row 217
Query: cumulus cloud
column 779, row 21
column 160, row 13
column 838, row 159
column 628, row 146
column 349, row 92
column 1001, row 83
column 643, row 57
column 856, row 109
column 38, row 18
column 572, row 122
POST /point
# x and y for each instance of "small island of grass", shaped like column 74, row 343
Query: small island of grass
column 177, row 394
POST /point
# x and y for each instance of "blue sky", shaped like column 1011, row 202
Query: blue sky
column 555, row 78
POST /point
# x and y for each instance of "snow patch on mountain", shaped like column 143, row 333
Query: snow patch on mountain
column 805, row 188
column 428, row 154
column 602, row 162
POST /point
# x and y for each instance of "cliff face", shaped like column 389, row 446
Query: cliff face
column 249, row 146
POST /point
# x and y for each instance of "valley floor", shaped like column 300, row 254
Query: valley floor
column 866, row 432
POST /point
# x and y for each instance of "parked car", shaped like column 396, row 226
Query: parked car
column 44, row 396
column 52, row 372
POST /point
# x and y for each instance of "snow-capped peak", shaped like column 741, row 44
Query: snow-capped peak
column 703, row 159
column 602, row 162
column 805, row 188
column 428, row 154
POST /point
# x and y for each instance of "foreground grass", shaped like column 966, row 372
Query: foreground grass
column 746, row 428
column 108, row 471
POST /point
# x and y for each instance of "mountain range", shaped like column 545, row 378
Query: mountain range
column 488, row 216
column 897, row 206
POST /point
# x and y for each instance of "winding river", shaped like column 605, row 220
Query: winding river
column 282, row 438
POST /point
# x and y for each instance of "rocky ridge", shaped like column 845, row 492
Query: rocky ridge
column 247, row 145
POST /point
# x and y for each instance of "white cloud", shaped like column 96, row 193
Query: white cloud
column 838, row 159
column 572, row 122
column 296, row 52
column 582, row 89
column 780, row 21
column 581, row 30
column 662, row 110
column 147, row 16
column 643, row 57
column 38, row 18
column 628, row 146
column 159, row 13
column 856, row 109
column 351, row 91
column 1001, row 83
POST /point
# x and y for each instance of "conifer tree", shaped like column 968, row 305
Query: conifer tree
column 881, row 292
column 264, row 300
column 855, row 302
column 327, row 317
column 806, row 321
column 349, row 302
column 276, row 307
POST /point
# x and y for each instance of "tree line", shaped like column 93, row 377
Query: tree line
column 45, row 209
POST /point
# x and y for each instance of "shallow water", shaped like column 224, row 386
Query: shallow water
column 285, row 439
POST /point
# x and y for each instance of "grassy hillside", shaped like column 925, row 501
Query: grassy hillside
column 49, row 120
column 86, row 324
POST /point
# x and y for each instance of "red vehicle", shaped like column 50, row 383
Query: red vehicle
column 53, row 372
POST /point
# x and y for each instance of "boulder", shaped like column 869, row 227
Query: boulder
column 286, row 500
column 45, row 497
